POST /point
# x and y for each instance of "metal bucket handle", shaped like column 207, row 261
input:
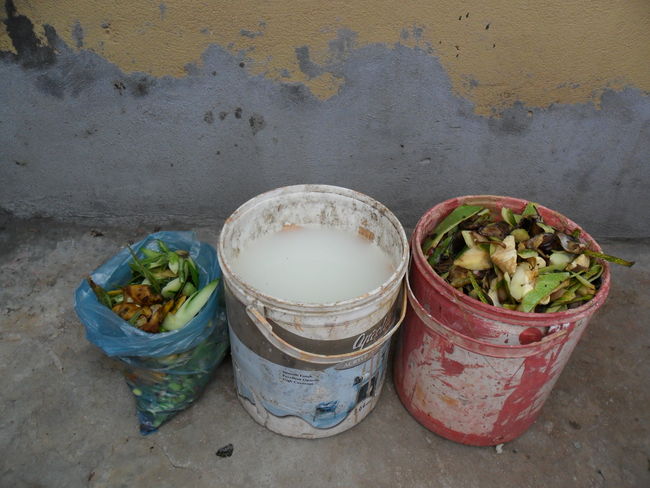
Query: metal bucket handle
column 266, row 330
column 479, row 347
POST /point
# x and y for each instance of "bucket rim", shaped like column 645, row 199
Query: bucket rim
column 352, row 303
column 478, row 346
column 491, row 312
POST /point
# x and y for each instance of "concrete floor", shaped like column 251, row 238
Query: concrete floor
column 67, row 418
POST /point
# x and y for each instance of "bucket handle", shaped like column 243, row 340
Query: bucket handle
column 477, row 346
column 266, row 330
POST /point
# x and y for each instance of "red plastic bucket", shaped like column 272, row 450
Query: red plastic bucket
column 475, row 373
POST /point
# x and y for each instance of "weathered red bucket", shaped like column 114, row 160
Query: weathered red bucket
column 475, row 373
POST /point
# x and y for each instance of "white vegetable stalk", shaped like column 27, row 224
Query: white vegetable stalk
column 190, row 308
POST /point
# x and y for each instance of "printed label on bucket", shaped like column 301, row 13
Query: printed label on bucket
column 322, row 398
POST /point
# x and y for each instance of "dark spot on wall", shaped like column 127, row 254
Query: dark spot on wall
column 138, row 86
column 141, row 86
column 141, row 89
column 487, row 26
column 305, row 64
column 192, row 69
column 514, row 120
column 250, row 34
column 89, row 132
column 20, row 163
column 404, row 34
column 119, row 86
column 467, row 15
column 50, row 86
column 223, row 115
column 78, row 35
column 238, row 113
column 257, row 123
column 619, row 108
column 295, row 92
column 460, row 17
column 105, row 25
column 218, row 153
column 473, row 83
column 31, row 52
column 214, row 73
column 208, row 117
column 345, row 41
column 241, row 65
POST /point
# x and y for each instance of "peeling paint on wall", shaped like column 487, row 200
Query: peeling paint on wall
column 495, row 52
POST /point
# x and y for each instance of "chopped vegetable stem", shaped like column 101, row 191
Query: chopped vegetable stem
column 477, row 288
column 607, row 257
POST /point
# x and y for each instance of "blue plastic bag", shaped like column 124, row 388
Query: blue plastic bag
column 166, row 371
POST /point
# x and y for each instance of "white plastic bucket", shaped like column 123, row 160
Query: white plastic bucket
column 304, row 369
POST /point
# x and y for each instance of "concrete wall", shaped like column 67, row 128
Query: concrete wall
column 164, row 110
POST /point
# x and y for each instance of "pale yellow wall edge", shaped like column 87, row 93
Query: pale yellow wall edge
column 495, row 52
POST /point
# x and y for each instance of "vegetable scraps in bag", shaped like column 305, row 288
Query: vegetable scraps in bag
column 518, row 262
column 163, row 293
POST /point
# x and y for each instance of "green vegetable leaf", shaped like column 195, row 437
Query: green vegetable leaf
column 174, row 262
column 556, row 308
column 543, row 287
column 103, row 297
column 508, row 215
column 162, row 246
column 527, row 253
column 593, row 273
column 458, row 215
column 150, row 253
column 443, row 249
column 529, row 210
column 194, row 272
column 582, row 280
column 137, row 264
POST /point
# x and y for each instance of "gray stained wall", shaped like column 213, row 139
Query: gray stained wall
column 82, row 141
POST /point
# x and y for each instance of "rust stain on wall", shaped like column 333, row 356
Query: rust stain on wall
column 495, row 52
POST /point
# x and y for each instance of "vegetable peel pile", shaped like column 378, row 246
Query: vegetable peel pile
column 517, row 261
column 163, row 293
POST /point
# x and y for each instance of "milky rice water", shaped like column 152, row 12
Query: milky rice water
column 313, row 277
column 313, row 264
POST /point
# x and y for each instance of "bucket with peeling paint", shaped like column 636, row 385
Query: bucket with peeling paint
column 475, row 373
column 306, row 369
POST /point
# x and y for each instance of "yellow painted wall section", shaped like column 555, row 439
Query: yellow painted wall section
column 496, row 52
